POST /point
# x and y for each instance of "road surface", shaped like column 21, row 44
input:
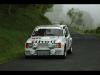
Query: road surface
column 85, row 57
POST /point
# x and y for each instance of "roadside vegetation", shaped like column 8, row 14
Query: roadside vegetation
column 16, row 24
column 95, row 32
column 82, row 22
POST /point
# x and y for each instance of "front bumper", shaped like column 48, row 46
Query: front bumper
column 44, row 52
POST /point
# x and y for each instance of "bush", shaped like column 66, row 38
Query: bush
column 15, row 28
column 98, row 30
column 86, row 31
column 89, row 31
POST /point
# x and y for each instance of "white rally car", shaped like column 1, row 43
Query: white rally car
column 49, row 40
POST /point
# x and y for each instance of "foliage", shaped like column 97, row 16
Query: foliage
column 75, row 16
column 15, row 26
column 98, row 30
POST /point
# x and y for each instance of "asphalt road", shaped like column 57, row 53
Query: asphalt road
column 85, row 57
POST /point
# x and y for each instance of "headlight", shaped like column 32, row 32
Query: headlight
column 58, row 45
column 28, row 45
column 51, row 46
column 34, row 46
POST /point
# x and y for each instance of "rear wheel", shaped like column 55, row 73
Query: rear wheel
column 69, row 51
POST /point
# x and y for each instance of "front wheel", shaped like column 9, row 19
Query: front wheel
column 69, row 51
column 27, row 57
column 65, row 53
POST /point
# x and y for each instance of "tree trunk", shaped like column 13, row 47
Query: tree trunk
column 73, row 18
column 71, row 22
column 9, row 9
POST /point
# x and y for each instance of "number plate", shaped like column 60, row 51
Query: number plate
column 46, row 52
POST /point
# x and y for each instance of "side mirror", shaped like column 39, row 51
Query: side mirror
column 65, row 35
column 33, row 33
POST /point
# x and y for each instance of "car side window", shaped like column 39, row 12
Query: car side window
column 66, row 31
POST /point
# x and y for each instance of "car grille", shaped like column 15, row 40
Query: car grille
column 43, row 52
column 42, row 45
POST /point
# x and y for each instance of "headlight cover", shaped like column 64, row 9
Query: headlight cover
column 51, row 46
column 34, row 46
column 28, row 45
column 58, row 45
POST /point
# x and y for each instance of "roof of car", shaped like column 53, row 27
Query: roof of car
column 51, row 25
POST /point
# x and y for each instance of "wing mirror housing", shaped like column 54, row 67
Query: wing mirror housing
column 65, row 35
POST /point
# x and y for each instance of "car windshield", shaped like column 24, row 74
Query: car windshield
column 48, row 32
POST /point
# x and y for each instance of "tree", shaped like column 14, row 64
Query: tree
column 71, row 15
column 11, row 9
column 75, row 16
column 98, row 30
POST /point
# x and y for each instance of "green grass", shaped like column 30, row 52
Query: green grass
column 87, row 32
column 11, row 44
column 94, row 34
column 22, row 22
column 75, row 30
column 14, row 31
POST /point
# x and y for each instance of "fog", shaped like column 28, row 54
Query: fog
column 58, row 12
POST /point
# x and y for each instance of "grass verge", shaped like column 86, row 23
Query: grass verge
column 11, row 44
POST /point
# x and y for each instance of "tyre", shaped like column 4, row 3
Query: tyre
column 65, row 53
column 27, row 57
column 69, row 51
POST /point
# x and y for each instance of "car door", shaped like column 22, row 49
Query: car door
column 67, row 38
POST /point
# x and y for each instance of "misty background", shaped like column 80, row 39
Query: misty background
column 91, row 14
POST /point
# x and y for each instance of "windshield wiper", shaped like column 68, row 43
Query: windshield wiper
column 50, row 34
